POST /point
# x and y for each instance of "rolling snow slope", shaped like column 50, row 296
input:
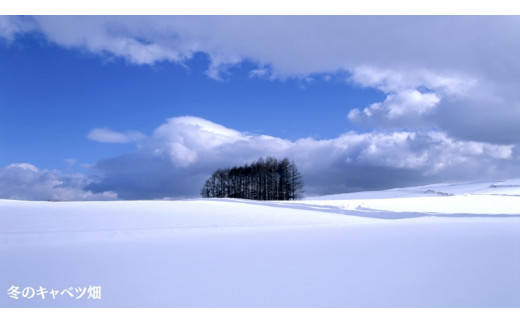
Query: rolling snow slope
column 444, row 245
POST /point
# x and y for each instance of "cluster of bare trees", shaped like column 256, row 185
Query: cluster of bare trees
column 267, row 179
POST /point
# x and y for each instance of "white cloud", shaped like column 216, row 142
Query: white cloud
column 397, row 80
column 26, row 182
column 404, row 104
column 411, row 95
column 106, row 135
column 292, row 45
column 176, row 160
column 184, row 139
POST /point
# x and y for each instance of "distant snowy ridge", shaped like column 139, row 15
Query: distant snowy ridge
column 481, row 198
column 506, row 187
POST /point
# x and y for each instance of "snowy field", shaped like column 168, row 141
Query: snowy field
column 431, row 246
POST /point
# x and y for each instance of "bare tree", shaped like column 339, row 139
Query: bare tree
column 267, row 179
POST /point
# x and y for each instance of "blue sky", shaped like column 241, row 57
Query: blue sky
column 101, row 107
column 52, row 97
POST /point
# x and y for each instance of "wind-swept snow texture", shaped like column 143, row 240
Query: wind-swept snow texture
column 432, row 246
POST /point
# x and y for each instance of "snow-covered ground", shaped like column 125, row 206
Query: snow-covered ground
column 444, row 245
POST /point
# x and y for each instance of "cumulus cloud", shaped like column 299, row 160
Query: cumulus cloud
column 110, row 136
column 26, row 182
column 176, row 160
column 185, row 139
column 406, row 104
column 178, row 157
column 412, row 95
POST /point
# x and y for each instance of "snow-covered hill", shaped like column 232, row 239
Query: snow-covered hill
column 443, row 245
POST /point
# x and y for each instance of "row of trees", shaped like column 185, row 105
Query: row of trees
column 267, row 179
